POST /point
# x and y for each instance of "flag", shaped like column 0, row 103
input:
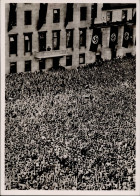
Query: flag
column 127, row 36
column 12, row 16
column 42, row 15
column 69, row 13
column 113, row 37
column 93, row 13
column 96, row 39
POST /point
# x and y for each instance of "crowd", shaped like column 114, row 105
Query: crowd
column 72, row 129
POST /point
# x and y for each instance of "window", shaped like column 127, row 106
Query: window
column 56, row 15
column 82, row 40
column 134, row 14
column 124, row 15
column 42, row 64
column 109, row 16
column 81, row 58
column 28, row 17
column 83, row 13
column 69, row 60
column 42, row 41
column 56, row 40
column 13, row 67
column 69, row 38
column 129, row 54
column 98, row 56
column 27, row 66
column 27, row 42
column 13, row 44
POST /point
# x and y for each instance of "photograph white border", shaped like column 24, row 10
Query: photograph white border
column 69, row 192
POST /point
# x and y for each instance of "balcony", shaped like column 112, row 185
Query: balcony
column 49, row 54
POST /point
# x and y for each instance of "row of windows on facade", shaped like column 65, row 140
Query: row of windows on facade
column 13, row 65
column 42, row 41
column 56, row 16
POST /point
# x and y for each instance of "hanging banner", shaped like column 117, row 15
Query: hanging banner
column 12, row 16
column 42, row 15
column 127, row 36
column 93, row 13
column 113, row 37
column 69, row 13
column 96, row 39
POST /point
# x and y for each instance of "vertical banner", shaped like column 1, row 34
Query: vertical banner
column 42, row 15
column 93, row 13
column 96, row 39
column 113, row 37
column 12, row 16
column 127, row 36
column 69, row 13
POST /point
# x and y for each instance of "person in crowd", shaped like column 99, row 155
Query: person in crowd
column 71, row 129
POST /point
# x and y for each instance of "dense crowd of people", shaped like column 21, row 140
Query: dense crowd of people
column 72, row 129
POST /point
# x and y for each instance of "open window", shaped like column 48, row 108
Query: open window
column 69, row 60
column 27, row 66
column 13, row 67
column 69, row 38
column 13, row 44
column 27, row 42
column 42, row 64
column 28, row 17
column 82, row 37
column 98, row 56
column 56, row 40
column 83, row 13
column 56, row 15
column 109, row 16
column 82, row 58
column 42, row 41
column 124, row 15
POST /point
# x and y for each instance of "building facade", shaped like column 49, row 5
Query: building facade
column 41, row 36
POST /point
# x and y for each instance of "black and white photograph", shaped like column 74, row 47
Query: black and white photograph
column 68, row 97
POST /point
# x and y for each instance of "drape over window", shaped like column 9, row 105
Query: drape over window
column 93, row 13
column 69, row 13
column 12, row 16
column 42, row 15
column 113, row 37
column 96, row 39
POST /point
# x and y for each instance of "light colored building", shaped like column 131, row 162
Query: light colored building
column 41, row 36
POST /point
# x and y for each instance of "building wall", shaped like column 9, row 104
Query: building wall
column 90, row 56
